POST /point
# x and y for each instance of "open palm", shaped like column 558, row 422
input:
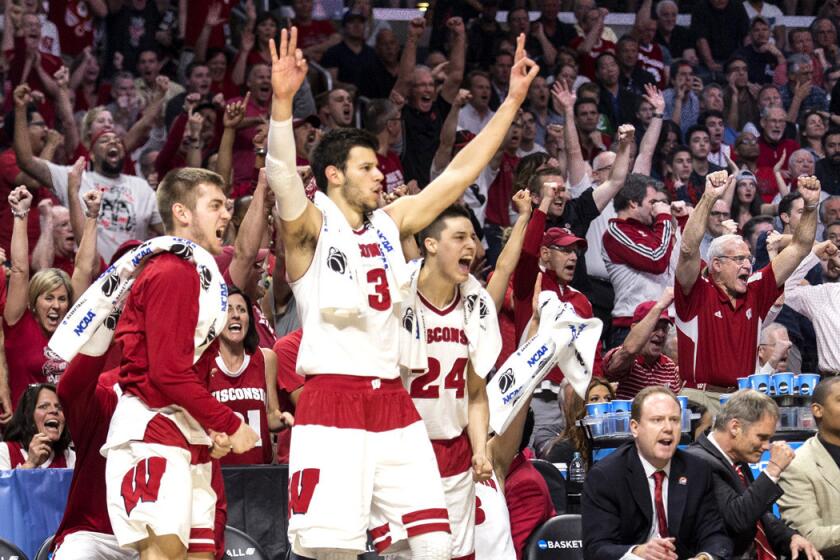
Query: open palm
column 288, row 67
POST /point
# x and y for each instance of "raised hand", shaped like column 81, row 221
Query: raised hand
column 288, row 67
column 563, row 97
column 194, row 124
column 660, row 207
column 247, row 41
column 666, row 298
column 22, row 96
column 93, row 202
column 716, row 183
column 522, row 74
column 456, row 26
column 522, row 202
column 779, row 164
column 62, row 78
column 20, row 200
column 74, row 176
column 235, row 112
column 729, row 226
column 416, row 27
column 464, row 96
column 626, row 134
column 39, row 450
column 397, row 99
column 161, row 86
column 214, row 15
column 655, row 98
column 809, row 188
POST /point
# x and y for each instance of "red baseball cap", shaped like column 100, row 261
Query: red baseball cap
column 561, row 237
column 644, row 308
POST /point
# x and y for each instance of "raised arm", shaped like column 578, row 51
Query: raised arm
column 443, row 155
column 74, row 182
column 408, row 58
column 139, row 131
column 643, row 15
column 457, row 60
column 20, row 200
column 214, row 19
column 563, row 100
column 651, row 136
column 231, row 119
column 606, row 191
column 478, row 415
column 506, row 263
column 34, row 166
column 688, row 265
column 43, row 254
column 250, row 235
column 622, row 358
column 87, row 258
column 192, row 133
column 64, row 109
column 413, row 213
column 246, row 45
column 803, row 237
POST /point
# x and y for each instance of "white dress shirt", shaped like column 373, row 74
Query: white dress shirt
column 654, row 526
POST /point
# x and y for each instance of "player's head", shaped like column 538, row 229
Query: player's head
column 191, row 203
column 344, row 164
column 448, row 244
column 240, row 328
column 39, row 411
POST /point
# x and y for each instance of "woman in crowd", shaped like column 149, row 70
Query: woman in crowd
column 562, row 448
column 267, row 27
column 34, row 308
column 669, row 138
column 36, row 437
column 746, row 203
column 244, row 377
column 811, row 130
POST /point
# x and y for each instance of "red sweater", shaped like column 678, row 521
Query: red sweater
column 156, row 333
column 528, row 501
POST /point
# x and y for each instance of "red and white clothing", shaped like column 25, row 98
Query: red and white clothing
column 717, row 342
column 25, row 343
column 639, row 374
column 640, row 260
column 587, row 60
column 243, row 391
column 391, row 167
column 528, row 501
column 652, row 60
column 13, row 455
column 288, row 381
column 441, row 399
column 74, row 21
column 197, row 15
column 493, row 540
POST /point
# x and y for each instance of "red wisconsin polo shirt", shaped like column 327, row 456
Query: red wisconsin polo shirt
column 716, row 341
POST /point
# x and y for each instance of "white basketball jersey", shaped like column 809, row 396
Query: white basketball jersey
column 493, row 539
column 440, row 394
column 367, row 346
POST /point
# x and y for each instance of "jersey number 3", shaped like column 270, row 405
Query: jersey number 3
column 424, row 387
column 381, row 298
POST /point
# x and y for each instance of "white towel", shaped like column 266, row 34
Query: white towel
column 90, row 323
column 481, row 326
column 343, row 292
column 563, row 339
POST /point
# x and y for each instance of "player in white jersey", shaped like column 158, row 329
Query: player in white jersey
column 359, row 451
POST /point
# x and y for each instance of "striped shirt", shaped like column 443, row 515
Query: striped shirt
column 640, row 375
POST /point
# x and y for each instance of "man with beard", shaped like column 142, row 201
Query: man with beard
column 719, row 312
column 128, row 209
column 828, row 168
column 427, row 106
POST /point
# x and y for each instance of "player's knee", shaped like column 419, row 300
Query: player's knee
column 161, row 547
column 431, row 546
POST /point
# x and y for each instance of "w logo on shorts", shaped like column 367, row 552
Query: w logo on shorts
column 142, row 482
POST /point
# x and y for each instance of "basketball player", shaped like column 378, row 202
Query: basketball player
column 158, row 473
column 360, row 456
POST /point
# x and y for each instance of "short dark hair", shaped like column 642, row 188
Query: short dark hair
column 377, row 113
column 604, row 55
column 694, row 129
column 192, row 66
column 641, row 396
column 179, row 185
column 829, row 226
column 752, row 223
column 535, row 184
column 734, row 58
column 437, row 226
column 334, row 148
column 584, row 101
column 832, row 131
column 9, row 120
column 634, row 190
column 709, row 113
column 474, row 74
column 676, row 150
column 787, row 202
column 677, row 64
column 822, row 390
column 21, row 427
column 252, row 338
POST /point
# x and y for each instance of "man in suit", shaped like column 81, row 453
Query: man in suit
column 741, row 433
column 648, row 499
column 811, row 484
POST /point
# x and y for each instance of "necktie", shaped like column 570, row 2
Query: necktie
column 762, row 545
column 661, row 520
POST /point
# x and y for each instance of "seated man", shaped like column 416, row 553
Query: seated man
column 624, row 508
column 811, row 483
column 773, row 348
column 742, row 432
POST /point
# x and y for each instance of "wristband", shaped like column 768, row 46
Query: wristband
column 260, row 151
column 20, row 215
column 659, row 115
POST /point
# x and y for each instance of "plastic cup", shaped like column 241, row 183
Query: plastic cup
column 621, row 405
column 760, row 382
column 598, row 409
column 683, row 402
column 807, row 382
column 744, row 383
column 783, row 383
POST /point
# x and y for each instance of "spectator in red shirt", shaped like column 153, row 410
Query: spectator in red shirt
column 191, row 18
column 37, row 437
column 772, row 144
column 382, row 119
column 314, row 36
column 591, row 44
column 719, row 313
column 74, row 20
column 747, row 152
column 639, row 361
column 85, row 80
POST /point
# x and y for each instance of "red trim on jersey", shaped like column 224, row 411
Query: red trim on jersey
column 446, row 310
column 470, row 556
column 425, row 528
column 15, row 454
column 454, row 456
column 204, row 535
column 433, row 514
column 350, row 402
column 381, row 537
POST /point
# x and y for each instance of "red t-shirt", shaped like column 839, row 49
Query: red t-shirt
column 528, row 501
column 74, row 21
column 717, row 342
column 768, row 155
column 288, row 381
column 156, row 333
column 391, row 167
column 243, row 145
column 25, row 343
column 245, row 395
column 314, row 33
column 9, row 170
column 197, row 15
column 767, row 187
column 587, row 60
column 16, row 58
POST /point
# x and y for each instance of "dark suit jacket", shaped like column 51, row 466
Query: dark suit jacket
column 618, row 511
column 741, row 507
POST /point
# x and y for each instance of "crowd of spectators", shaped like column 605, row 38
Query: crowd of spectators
column 685, row 180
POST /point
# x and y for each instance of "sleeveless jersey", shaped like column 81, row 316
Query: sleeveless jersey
column 440, row 394
column 493, row 539
column 244, row 393
column 12, row 455
column 366, row 346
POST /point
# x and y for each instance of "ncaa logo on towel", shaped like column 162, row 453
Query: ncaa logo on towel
column 337, row 261
column 506, row 380
column 469, row 304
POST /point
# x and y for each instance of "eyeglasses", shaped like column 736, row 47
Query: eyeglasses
column 567, row 250
column 720, row 215
column 739, row 259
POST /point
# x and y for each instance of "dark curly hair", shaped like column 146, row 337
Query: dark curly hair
column 22, row 427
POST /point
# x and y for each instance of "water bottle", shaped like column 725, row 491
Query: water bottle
column 576, row 469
